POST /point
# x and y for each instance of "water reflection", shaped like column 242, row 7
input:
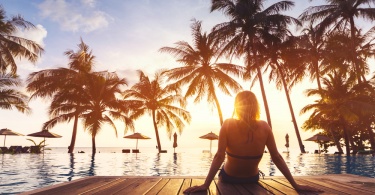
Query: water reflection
column 92, row 165
column 33, row 171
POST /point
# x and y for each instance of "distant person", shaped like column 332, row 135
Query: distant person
column 244, row 138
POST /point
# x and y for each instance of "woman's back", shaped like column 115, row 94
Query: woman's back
column 245, row 147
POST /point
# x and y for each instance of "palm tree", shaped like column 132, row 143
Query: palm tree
column 149, row 96
column 338, row 15
column 11, row 98
column 341, row 103
column 46, row 83
column 12, row 46
column 249, row 26
column 281, row 56
column 200, row 72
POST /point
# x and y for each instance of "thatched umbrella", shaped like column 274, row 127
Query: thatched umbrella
column 45, row 134
column 210, row 136
column 6, row 132
column 318, row 138
column 136, row 136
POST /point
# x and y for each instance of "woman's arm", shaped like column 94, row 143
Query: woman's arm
column 281, row 165
column 216, row 162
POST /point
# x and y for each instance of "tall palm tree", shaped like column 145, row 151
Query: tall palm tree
column 339, row 15
column 11, row 98
column 281, row 56
column 201, row 72
column 46, row 83
column 12, row 46
column 249, row 26
column 149, row 96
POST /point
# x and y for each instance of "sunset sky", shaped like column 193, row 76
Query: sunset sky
column 125, row 36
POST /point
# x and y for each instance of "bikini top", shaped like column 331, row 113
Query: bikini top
column 245, row 157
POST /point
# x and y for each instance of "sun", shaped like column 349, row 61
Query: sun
column 226, row 104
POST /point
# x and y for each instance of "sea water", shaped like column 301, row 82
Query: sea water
column 25, row 172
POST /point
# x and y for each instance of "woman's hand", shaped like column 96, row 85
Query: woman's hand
column 306, row 188
column 195, row 189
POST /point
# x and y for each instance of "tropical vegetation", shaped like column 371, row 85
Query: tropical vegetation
column 328, row 48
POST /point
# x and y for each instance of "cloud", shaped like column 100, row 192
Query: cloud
column 35, row 34
column 74, row 15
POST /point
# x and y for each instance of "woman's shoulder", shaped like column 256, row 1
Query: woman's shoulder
column 263, row 124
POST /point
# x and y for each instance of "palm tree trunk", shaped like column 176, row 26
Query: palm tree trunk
column 74, row 134
column 346, row 137
column 264, row 96
column 156, row 130
column 218, row 109
column 93, row 144
column 337, row 143
column 301, row 146
column 372, row 140
column 357, row 70
column 317, row 73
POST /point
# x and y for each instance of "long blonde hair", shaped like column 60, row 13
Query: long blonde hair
column 246, row 108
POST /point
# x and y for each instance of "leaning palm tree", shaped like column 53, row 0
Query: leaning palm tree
column 281, row 56
column 150, row 97
column 200, row 72
column 340, row 15
column 12, row 46
column 11, row 98
column 46, row 83
column 249, row 26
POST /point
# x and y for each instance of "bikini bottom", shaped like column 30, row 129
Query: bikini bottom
column 224, row 177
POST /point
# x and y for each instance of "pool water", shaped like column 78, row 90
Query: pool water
column 24, row 172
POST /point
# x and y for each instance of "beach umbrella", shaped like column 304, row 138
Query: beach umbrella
column 318, row 138
column 136, row 136
column 45, row 134
column 6, row 132
column 174, row 141
column 210, row 136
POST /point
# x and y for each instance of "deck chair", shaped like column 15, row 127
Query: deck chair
column 4, row 150
column 25, row 149
column 15, row 149
column 135, row 150
column 125, row 150
column 35, row 149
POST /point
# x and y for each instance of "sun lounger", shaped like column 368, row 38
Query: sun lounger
column 4, row 150
column 125, row 150
column 163, row 151
column 15, row 149
column 135, row 150
column 25, row 149
column 35, row 149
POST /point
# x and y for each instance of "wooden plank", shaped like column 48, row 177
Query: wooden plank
column 111, row 187
column 140, row 187
column 280, row 187
column 198, row 182
column 303, row 182
column 345, row 189
column 81, row 186
column 255, row 188
column 172, row 187
column 226, row 188
column 156, row 189
column 184, row 186
column 269, row 188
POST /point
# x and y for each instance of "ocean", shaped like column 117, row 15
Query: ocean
column 24, row 172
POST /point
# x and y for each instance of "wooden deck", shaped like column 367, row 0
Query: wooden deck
column 331, row 184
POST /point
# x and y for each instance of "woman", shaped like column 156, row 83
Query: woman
column 244, row 139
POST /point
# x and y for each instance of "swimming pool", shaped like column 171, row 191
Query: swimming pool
column 24, row 172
